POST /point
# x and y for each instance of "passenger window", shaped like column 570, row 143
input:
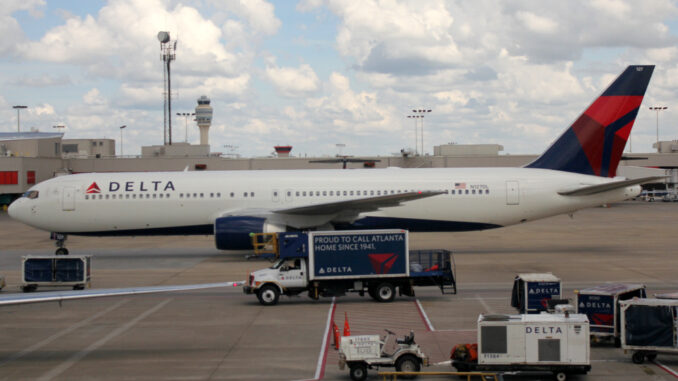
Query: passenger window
column 251, row 194
column 86, row 197
column 232, row 194
column 244, row 194
column 154, row 195
column 297, row 193
column 324, row 193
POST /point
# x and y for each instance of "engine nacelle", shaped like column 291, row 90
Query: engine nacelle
column 233, row 232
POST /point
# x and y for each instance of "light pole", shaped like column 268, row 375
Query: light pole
column 59, row 126
column 657, row 109
column 18, row 119
column 121, row 127
column 186, row 115
column 416, row 133
column 422, row 113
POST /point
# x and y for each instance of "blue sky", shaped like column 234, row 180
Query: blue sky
column 314, row 73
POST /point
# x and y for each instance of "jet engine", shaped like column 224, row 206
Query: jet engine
column 233, row 232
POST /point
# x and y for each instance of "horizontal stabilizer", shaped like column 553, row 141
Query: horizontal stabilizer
column 599, row 188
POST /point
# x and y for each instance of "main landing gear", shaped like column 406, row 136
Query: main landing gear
column 60, row 243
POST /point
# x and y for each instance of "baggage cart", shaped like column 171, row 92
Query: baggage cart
column 601, row 305
column 55, row 271
column 532, row 292
column 649, row 327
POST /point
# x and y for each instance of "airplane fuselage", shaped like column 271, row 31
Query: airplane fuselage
column 156, row 203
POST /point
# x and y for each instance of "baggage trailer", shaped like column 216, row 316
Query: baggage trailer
column 55, row 271
column 332, row 263
column 649, row 327
column 532, row 292
column 601, row 305
column 553, row 343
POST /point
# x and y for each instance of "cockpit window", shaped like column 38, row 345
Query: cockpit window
column 31, row 194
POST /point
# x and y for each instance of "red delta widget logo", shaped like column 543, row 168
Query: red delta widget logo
column 382, row 263
column 94, row 188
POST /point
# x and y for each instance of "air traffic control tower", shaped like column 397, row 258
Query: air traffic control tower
column 203, row 115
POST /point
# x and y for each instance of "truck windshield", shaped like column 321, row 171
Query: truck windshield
column 278, row 263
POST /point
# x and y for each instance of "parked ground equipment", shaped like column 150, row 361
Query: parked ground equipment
column 55, row 271
column 332, row 263
column 554, row 343
column 532, row 292
column 371, row 351
column 649, row 327
column 601, row 305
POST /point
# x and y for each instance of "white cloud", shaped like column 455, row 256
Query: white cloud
column 293, row 82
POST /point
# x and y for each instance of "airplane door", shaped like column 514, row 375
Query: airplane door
column 512, row 193
column 275, row 195
column 68, row 198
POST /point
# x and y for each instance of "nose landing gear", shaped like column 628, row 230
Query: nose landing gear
column 60, row 243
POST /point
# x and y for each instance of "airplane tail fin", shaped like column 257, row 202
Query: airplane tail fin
column 594, row 143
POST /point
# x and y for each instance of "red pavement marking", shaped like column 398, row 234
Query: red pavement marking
column 423, row 316
column 666, row 369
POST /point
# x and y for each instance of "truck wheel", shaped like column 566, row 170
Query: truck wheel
column 268, row 295
column 358, row 372
column 385, row 292
column 561, row 376
column 651, row 356
column 638, row 358
column 407, row 363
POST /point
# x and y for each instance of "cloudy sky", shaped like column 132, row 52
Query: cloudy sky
column 317, row 73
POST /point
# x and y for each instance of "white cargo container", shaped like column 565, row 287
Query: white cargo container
column 557, row 343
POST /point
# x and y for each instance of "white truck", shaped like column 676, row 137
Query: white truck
column 555, row 343
column 332, row 263
column 371, row 351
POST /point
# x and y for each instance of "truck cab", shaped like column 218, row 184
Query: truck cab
column 286, row 276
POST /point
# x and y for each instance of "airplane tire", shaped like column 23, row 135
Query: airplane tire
column 61, row 251
column 268, row 295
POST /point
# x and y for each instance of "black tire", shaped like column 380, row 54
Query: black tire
column 61, row 251
column 29, row 288
column 561, row 376
column 617, row 342
column 638, row 357
column 268, row 295
column 407, row 363
column 651, row 356
column 385, row 292
column 358, row 371
column 371, row 292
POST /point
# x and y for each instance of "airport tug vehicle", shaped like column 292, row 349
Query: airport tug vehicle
column 371, row 351
column 553, row 343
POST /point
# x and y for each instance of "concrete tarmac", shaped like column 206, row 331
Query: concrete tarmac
column 222, row 334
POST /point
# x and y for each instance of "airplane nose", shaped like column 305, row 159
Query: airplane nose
column 15, row 210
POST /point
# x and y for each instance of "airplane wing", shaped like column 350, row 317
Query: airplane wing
column 360, row 205
column 599, row 188
column 84, row 294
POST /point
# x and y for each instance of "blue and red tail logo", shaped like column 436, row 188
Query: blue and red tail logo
column 382, row 263
column 594, row 144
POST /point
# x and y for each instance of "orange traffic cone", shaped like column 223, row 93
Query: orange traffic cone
column 337, row 335
column 347, row 328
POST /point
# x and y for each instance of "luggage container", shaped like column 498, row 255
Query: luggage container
column 532, row 292
column 554, row 343
column 55, row 271
column 601, row 305
column 649, row 327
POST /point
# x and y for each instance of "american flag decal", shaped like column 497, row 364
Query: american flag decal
column 459, row 185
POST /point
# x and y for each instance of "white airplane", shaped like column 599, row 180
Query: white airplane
column 577, row 171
